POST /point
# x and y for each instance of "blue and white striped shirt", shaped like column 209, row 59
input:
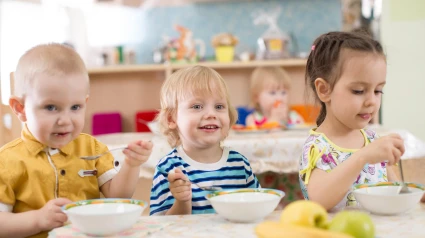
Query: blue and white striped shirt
column 232, row 171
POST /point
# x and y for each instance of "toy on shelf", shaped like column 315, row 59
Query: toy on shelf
column 183, row 49
column 224, row 45
column 273, row 44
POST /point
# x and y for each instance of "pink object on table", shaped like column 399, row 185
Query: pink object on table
column 105, row 123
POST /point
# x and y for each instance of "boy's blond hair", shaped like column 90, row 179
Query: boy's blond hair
column 195, row 80
column 263, row 76
column 47, row 59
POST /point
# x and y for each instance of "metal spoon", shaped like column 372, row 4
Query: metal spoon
column 404, row 188
column 205, row 188
column 93, row 157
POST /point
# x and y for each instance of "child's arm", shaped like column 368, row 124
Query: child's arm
column 251, row 181
column 340, row 179
column 181, row 189
column 32, row 222
column 124, row 183
column 279, row 113
column 249, row 121
column 336, row 182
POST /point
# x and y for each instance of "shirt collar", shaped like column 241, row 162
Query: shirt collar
column 35, row 147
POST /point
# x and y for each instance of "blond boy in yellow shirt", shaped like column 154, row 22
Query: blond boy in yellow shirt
column 42, row 170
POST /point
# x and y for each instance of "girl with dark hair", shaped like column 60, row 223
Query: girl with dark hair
column 347, row 73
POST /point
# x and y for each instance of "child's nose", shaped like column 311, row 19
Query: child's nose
column 210, row 113
column 64, row 119
column 371, row 100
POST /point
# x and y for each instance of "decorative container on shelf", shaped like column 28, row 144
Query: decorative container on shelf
column 224, row 45
column 273, row 44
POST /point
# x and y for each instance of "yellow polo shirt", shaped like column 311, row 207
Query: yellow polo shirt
column 31, row 174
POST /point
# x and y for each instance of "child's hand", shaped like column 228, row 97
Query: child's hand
column 50, row 215
column 180, row 186
column 279, row 112
column 138, row 152
column 387, row 148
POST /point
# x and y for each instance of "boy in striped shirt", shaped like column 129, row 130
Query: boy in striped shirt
column 196, row 115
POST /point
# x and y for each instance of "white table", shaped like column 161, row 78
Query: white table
column 407, row 225
column 275, row 151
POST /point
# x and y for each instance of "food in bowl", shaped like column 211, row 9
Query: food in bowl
column 384, row 198
column 104, row 216
column 245, row 205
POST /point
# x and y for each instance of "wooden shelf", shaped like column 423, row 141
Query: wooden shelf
column 248, row 64
column 127, row 68
column 214, row 65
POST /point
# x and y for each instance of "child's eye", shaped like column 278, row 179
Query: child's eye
column 272, row 92
column 197, row 106
column 75, row 107
column 220, row 106
column 50, row 108
column 358, row 92
column 379, row 92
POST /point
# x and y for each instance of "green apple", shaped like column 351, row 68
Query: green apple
column 304, row 213
column 355, row 223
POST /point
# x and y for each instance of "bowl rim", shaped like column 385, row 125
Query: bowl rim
column 382, row 184
column 271, row 191
column 65, row 208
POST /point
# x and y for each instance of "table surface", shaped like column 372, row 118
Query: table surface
column 277, row 152
column 406, row 225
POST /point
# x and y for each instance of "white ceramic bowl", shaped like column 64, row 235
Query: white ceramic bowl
column 104, row 216
column 384, row 198
column 245, row 205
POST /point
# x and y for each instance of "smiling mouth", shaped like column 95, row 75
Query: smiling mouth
column 209, row 127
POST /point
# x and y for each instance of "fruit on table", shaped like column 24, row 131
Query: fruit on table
column 355, row 223
column 304, row 213
column 270, row 125
column 309, row 219
column 271, row 229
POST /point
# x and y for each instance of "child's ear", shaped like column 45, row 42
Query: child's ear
column 17, row 106
column 323, row 90
column 171, row 121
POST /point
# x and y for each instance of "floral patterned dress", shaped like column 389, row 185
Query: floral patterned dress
column 321, row 153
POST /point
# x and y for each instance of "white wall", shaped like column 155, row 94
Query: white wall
column 403, row 38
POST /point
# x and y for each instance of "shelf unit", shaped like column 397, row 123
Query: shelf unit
column 168, row 68
column 130, row 88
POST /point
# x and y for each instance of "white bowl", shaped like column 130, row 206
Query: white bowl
column 245, row 205
column 104, row 216
column 384, row 198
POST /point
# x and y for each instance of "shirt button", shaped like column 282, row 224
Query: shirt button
column 63, row 172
